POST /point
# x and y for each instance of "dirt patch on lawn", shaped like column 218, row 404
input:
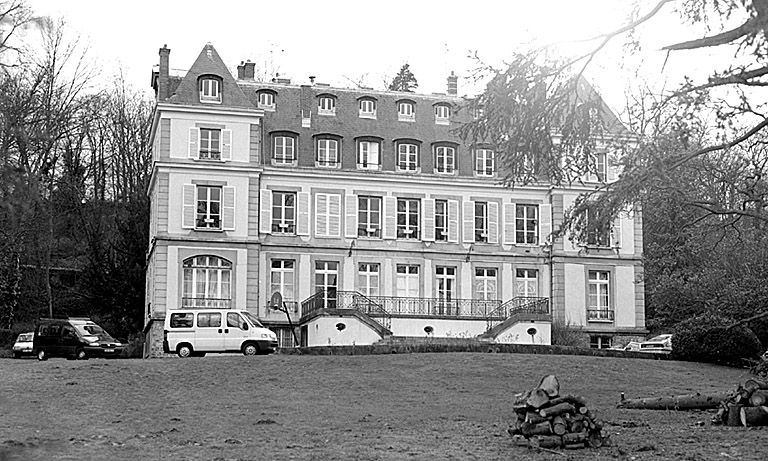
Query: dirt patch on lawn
column 377, row 407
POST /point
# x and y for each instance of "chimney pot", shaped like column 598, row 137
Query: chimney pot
column 162, row 75
column 453, row 84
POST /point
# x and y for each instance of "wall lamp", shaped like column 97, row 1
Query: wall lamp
column 351, row 246
column 471, row 247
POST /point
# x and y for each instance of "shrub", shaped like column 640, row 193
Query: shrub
column 564, row 333
column 705, row 338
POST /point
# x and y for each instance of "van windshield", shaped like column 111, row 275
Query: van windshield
column 91, row 329
column 251, row 318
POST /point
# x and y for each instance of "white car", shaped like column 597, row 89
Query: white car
column 23, row 345
column 661, row 344
column 630, row 346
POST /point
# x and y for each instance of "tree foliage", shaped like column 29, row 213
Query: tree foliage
column 404, row 80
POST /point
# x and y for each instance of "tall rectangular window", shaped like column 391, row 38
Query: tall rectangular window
column 407, row 157
column 445, row 285
column 282, row 278
column 368, row 279
column 407, row 218
column 485, row 289
column 481, row 222
column 284, row 150
column 601, row 166
column 526, row 224
column 284, row 212
column 598, row 295
column 441, row 220
column 368, row 155
column 208, row 214
column 369, row 216
column 526, row 283
column 210, row 143
column 484, row 162
column 445, row 159
column 408, row 280
column 326, row 281
column 327, row 152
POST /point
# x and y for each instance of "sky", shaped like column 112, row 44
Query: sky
column 347, row 42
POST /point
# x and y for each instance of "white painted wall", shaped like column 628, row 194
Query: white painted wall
column 518, row 334
column 624, row 297
column 241, row 133
column 176, row 181
column 575, row 295
column 322, row 331
column 441, row 328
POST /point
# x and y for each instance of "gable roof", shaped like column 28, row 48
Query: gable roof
column 210, row 63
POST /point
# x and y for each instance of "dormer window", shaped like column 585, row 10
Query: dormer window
column 405, row 111
column 442, row 114
column 326, row 104
column 266, row 100
column 367, row 107
column 210, row 89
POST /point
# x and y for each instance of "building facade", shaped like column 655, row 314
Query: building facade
column 370, row 217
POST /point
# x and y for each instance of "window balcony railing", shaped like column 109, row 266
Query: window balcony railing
column 521, row 305
column 600, row 315
column 206, row 303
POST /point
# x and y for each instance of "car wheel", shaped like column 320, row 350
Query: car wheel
column 17, row 355
column 81, row 355
column 184, row 351
column 42, row 355
column 250, row 349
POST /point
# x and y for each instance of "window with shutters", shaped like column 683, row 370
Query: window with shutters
column 408, row 218
column 210, row 89
column 283, row 212
column 406, row 111
column 445, row 160
column 327, row 215
column 441, row 220
column 207, row 283
column 526, row 224
column 407, row 157
column 442, row 114
column 481, row 222
column 368, row 155
column 210, row 144
column 599, row 231
column 326, row 104
column 284, row 149
column 208, row 214
column 327, row 155
column 484, row 162
column 369, row 217
column 367, row 107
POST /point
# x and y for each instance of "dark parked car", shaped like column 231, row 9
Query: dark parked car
column 74, row 338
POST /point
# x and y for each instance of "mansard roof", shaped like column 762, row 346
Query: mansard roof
column 210, row 63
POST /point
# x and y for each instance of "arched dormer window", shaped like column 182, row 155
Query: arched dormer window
column 367, row 107
column 408, row 159
column 442, row 113
column 326, row 104
column 210, row 87
column 406, row 110
column 266, row 99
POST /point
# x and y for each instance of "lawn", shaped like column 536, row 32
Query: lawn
column 430, row 406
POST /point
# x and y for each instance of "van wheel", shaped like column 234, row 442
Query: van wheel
column 81, row 355
column 184, row 351
column 17, row 355
column 250, row 349
column 42, row 355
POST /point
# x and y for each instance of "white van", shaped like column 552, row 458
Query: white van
column 193, row 332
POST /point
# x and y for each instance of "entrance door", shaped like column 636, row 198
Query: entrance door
column 209, row 335
column 446, row 290
column 326, row 280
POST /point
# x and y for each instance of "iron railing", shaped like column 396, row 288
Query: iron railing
column 600, row 315
column 516, row 306
column 334, row 299
column 205, row 303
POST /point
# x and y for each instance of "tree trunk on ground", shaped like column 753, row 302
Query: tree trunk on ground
column 680, row 402
column 734, row 415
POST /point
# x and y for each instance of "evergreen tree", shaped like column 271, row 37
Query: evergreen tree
column 404, row 80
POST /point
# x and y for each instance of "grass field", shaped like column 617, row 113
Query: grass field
column 430, row 406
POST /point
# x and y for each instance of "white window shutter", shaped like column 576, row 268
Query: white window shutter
column 194, row 143
column 468, row 220
column 302, row 213
column 545, row 223
column 188, row 211
column 265, row 211
column 493, row 222
column 390, row 217
column 453, row 221
column 616, row 233
column 226, row 145
column 228, row 208
column 334, row 215
column 321, row 215
column 428, row 223
column 509, row 223
column 350, row 215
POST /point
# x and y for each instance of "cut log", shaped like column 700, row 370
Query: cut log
column 534, row 418
column 537, row 398
column 754, row 416
column 558, row 425
column 520, row 440
column 681, row 402
column 550, row 384
column 753, row 384
column 558, row 409
column 519, row 403
column 575, row 437
column 536, row 429
column 516, row 427
column 594, row 439
column 577, row 426
column 546, row 441
column 758, row 398
column 572, row 399
column 734, row 415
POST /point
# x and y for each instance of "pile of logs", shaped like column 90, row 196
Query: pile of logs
column 746, row 406
column 546, row 419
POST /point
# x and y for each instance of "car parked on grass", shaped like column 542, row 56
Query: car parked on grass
column 661, row 344
column 630, row 346
column 23, row 345
column 73, row 338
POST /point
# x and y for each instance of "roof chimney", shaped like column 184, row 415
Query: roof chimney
column 241, row 71
column 249, row 70
column 312, row 79
column 162, row 77
column 453, row 84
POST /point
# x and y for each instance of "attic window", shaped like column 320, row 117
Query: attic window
column 210, row 89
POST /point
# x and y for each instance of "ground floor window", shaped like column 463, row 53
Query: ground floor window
column 207, row 283
column 284, row 337
column 599, row 341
